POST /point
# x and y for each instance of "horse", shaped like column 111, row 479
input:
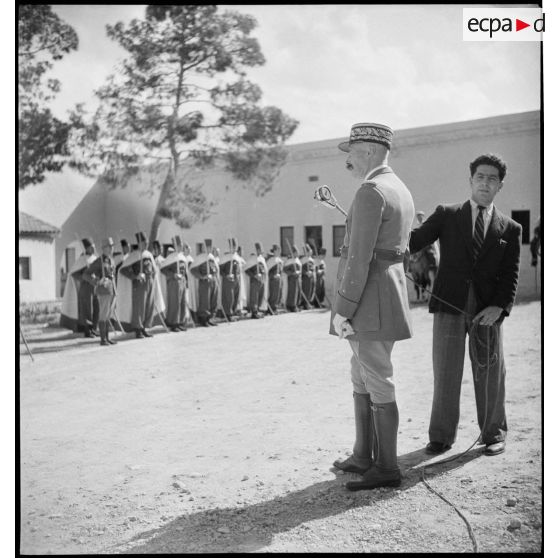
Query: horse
column 422, row 265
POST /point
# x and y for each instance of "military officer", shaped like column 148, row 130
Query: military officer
column 371, row 307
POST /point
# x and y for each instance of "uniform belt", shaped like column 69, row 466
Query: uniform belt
column 381, row 254
column 389, row 255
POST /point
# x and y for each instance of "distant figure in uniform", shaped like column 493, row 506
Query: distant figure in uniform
column 241, row 303
column 274, row 274
column 256, row 270
column 293, row 269
column 191, row 297
column 101, row 272
column 230, row 270
column 72, row 315
column 371, row 308
column 174, row 269
column 88, row 305
column 205, row 270
column 320, row 279
column 140, row 268
column 308, row 278
column 535, row 246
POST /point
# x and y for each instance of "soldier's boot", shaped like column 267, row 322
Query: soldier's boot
column 107, row 334
column 365, row 446
column 384, row 471
column 103, row 333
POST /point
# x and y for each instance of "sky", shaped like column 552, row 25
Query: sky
column 333, row 65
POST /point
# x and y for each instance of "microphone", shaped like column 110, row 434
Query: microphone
column 324, row 195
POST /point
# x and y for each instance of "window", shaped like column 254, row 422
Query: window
column 313, row 237
column 313, row 178
column 287, row 240
column 338, row 237
column 522, row 216
column 25, row 268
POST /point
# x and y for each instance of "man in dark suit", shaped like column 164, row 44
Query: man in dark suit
column 477, row 277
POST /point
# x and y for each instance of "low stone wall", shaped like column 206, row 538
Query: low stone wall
column 43, row 312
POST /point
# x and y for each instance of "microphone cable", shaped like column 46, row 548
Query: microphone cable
column 475, row 341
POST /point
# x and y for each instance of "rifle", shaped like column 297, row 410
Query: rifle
column 25, row 342
column 231, row 253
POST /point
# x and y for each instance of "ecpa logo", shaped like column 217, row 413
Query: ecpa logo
column 503, row 24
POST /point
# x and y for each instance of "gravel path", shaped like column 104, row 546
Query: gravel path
column 221, row 440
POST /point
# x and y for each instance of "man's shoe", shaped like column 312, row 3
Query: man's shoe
column 104, row 343
column 437, row 447
column 211, row 323
column 495, row 448
column 175, row 329
column 146, row 333
column 376, row 478
column 139, row 334
column 351, row 465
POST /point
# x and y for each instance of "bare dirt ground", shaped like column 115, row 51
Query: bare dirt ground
column 221, row 440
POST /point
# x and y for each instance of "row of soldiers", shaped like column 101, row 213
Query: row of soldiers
column 137, row 288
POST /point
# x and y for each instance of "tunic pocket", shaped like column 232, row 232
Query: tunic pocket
column 367, row 316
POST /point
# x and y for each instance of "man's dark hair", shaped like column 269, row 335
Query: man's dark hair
column 492, row 160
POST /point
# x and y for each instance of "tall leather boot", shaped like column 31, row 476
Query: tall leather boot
column 384, row 471
column 103, row 333
column 365, row 446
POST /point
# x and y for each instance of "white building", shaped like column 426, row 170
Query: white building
column 37, row 264
column 433, row 161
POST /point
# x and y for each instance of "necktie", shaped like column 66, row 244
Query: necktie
column 478, row 234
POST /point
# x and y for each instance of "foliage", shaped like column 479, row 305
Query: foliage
column 182, row 96
column 42, row 38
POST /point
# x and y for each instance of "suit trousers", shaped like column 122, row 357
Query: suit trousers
column 372, row 371
column 448, row 355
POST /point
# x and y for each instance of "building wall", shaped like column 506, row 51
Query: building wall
column 42, row 284
column 433, row 162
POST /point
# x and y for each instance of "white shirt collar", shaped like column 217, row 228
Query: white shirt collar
column 475, row 205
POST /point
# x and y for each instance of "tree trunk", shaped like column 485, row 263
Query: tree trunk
column 166, row 188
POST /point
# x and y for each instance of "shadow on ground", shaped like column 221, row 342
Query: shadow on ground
column 198, row 532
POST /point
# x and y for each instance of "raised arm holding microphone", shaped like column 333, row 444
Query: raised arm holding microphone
column 370, row 308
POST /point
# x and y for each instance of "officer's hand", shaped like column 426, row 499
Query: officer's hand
column 177, row 276
column 489, row 316
column 141, row 277
column 342, row 326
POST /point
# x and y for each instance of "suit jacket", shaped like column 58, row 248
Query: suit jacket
column 494, row 275
column 372, row 292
